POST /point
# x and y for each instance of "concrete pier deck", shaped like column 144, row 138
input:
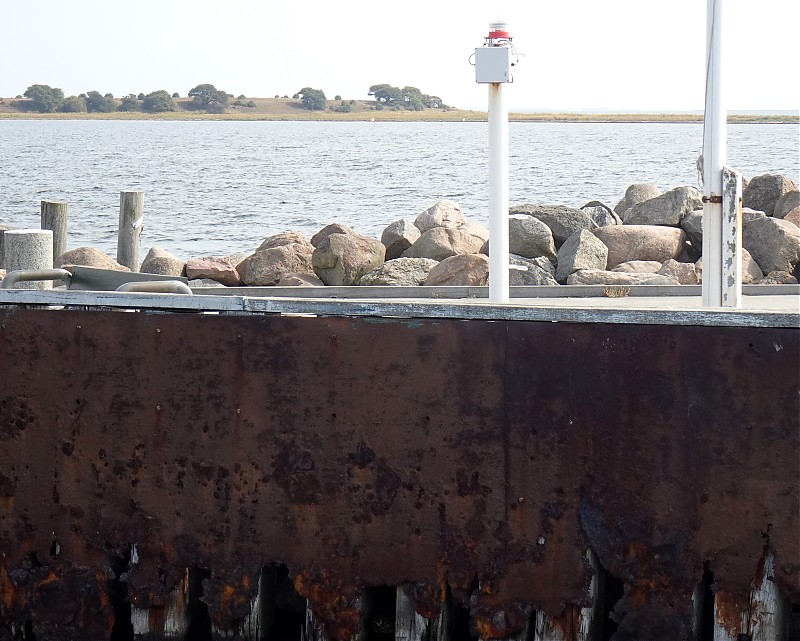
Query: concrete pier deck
column 419, row 451
column 762, row 305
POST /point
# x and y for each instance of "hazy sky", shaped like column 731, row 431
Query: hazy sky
column 579, row 54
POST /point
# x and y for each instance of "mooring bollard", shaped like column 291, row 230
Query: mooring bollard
column 131, row 220
column 29, row 249
column 54, row 218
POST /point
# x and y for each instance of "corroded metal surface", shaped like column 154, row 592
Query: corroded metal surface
column 474, row 457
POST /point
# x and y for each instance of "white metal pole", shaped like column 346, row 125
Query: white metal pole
column 498, row 194
column 714, row 138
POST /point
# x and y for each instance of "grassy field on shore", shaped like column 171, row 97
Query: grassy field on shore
column 366, row 110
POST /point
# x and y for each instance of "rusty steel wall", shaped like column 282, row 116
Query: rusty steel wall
column 384, row 452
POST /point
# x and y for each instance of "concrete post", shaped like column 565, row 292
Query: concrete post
column 3, row 229
column 131, row 221
column 54, row 218
column 29, row 249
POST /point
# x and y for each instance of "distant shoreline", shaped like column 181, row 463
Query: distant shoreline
column 426, row 116
column 289, row 109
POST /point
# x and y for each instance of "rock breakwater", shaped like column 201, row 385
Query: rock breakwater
column 649, row 237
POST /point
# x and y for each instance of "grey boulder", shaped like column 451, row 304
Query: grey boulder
column 538, row 271
column 563, row 221
column 684, row 273
column 763, row 192
column 635, row 194
column 667, row 209
column 439, row 243
column 786, row 203
column 89, row 257
column 342, row 259
column 445, row 213
column 641, row 242
column 464, row 270
column 267, row 266
column 400, row 272
column 283, row 238
column 399, row 236
column 528, row 237
column 601, row 214
column 638, row 267
column 601, row 277
column 774, row 244
column 582, row 250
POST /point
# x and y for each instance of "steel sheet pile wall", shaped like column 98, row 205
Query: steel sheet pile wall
column 475, row 457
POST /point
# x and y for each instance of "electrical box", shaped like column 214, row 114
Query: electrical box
column 493, row 64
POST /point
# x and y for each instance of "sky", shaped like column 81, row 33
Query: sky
column 576, row 55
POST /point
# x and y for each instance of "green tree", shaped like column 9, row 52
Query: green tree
column 379, row 92
column 412, row 98
column 44, row 98
column 95, row 102
column 73, row 105
column 387, row 95
column 158, row 101
column 405, row 98
column 432, row 102
column 209, row 98
column 313, row 99
column 129, row 103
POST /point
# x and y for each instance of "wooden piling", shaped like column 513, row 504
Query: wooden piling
column 312, row 631
column 162, row 622
column 580, row 624
column 767, row 616
column 54, row 218
column 131, row 222
column 410, row 625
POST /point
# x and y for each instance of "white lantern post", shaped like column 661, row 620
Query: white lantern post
column 493, row 67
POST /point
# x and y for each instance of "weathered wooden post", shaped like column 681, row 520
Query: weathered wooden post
column 580, row 624
column 54, row 218
column 765, row 618
column 731, row 238
column 409, row 625
column 131, row 222
column 29, row 249
column 312, row 630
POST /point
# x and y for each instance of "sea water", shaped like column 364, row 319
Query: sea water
column 218, row 187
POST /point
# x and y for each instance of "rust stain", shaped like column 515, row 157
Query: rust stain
column 727, row 612
column 458, row 454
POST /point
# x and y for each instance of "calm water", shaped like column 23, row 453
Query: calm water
column 220, row 187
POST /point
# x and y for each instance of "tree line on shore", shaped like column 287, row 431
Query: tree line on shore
column 42, row 98
column 47, row 99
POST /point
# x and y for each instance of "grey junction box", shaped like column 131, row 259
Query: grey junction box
column 492, row 64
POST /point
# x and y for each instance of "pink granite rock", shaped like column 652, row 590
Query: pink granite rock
column 215, row 268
